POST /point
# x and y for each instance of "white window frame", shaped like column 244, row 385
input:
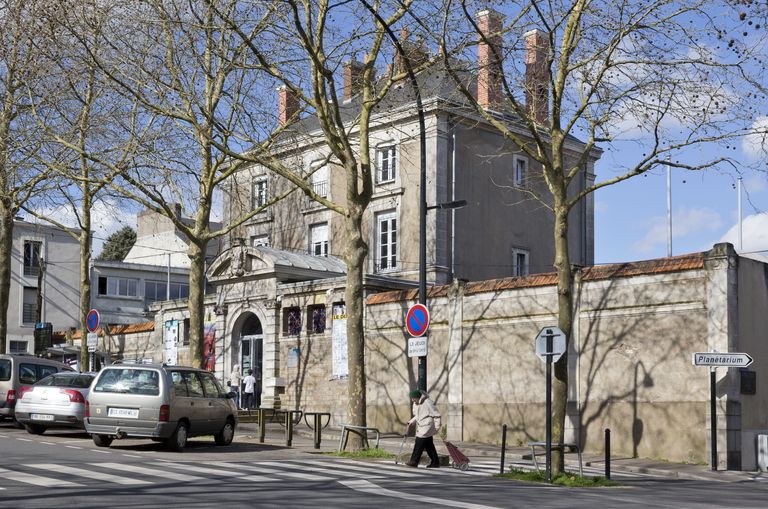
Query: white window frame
column 321, row 179
column 388, row 218
column 516, row 269
column 386, row 152
column 115, row 283
column 259, row 192
column 34, row 264
column 318, row 239
column 519, row 177
column 260, row 240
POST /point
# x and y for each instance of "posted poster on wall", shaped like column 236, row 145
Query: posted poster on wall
column 209, row 346
column 171, row 342
column 339, row 330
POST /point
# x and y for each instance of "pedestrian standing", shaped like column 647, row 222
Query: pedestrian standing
column 427, row 420
column 235, row 378
column 250, row 383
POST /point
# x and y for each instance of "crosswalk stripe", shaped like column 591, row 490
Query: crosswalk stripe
column 295, row 475
column 422, row 471
column 127, row 467
column 90, row 474
column 215, row 471
column 303, row 466
column 37, row 480
column 360, row 468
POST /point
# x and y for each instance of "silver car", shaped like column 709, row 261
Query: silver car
column 56, row 401
column 163, row 403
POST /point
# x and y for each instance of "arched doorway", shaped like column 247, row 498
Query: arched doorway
column 251, row 351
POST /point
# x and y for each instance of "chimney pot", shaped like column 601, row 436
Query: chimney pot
column 537, row 76
column 287, row 106
column 353, row 79
column 489, row 54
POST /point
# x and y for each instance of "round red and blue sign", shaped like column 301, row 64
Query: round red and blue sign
column 92, row 320
column 417, row 320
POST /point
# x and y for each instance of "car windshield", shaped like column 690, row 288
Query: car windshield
column 71, row 380
column 129, row 381
column 5, row 370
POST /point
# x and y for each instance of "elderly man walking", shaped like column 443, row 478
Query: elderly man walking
column 427, row 420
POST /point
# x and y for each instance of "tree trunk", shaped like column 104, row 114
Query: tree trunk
column 196, row 255
column 564, row 321
column 6, row 247
column 85, row 280
column 356, row 252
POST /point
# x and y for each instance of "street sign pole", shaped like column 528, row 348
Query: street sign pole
column 549, row 409
column 713, row 414
column 714, row 360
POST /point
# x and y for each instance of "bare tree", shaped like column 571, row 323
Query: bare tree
column 23, row 75
column 87, row 117
column 318, row 38
column 188, row 79
column 661, row 75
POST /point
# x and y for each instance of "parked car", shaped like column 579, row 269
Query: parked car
column 163, row 403
column 56, row 401
column 18, row 371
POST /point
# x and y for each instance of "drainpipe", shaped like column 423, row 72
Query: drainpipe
column 453, row 199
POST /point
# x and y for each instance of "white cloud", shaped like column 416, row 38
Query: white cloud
column 755, row 184
column 685, row 222
column 756, row 145
column 106, row 218
column 754, row 233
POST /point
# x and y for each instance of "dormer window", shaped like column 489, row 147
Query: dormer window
column 386, row 163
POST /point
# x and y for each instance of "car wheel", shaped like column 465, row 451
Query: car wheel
column 178, row 440
column 102, row 440
column 35, row 429
column 227, row 433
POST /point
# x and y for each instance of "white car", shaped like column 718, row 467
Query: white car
column 56, row 401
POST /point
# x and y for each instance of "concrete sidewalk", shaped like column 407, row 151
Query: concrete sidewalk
column 391, row 442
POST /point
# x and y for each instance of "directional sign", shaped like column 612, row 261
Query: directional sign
column 417, row 347
column 722, row 360
column 92, row 320
column 417, row 320
column 550, row 342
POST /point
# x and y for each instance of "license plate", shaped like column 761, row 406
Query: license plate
column 130, row 413
column 41, row 417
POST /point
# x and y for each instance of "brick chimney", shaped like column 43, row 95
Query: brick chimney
column 537, row 76
column 353, row 79
column 489, row 51
column 287, row 106
column 415, row 51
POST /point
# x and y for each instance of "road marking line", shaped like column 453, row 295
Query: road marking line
column 251, row 468
column 47, row 443
column 131, row 456
column 37, row 480
column 24, row 439
column 360, row 468
column 148, row 471
column 101, row 452
column 72, row 447
column 90, row 474
column 302, row 466
column 368, row 487
column 213, row 471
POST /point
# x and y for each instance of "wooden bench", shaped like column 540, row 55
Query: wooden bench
column 555, row 445
column 345, row 428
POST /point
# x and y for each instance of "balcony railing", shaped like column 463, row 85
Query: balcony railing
column 28, row 313
column 319, row 188
column 31, row 270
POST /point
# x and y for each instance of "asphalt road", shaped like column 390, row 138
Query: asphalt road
column 65, row 469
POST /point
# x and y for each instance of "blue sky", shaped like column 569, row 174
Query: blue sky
column 631, row 217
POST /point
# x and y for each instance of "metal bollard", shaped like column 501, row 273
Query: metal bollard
column 607, row 453
column 288, row 428
column 317, row 431
column 503, row 447
column 262, row 426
